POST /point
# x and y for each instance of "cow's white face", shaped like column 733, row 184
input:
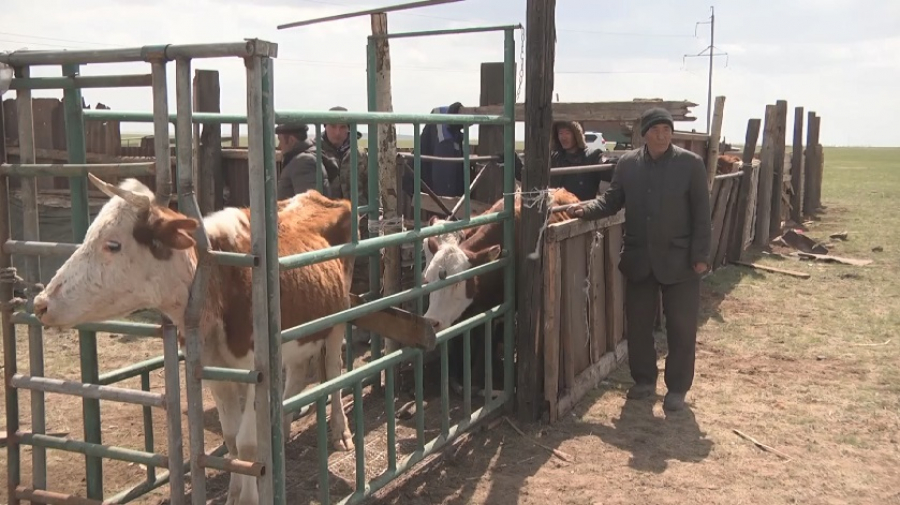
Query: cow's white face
column 131, row 258
column 432, row 244
column 446, row 305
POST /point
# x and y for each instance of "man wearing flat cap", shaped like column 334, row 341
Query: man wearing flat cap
column 666, row 247
column 297, row 175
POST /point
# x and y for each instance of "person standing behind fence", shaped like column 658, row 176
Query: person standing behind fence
column 569, row 149
column 666, row 247
column 297, row 175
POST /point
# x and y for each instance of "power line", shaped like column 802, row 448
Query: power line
column 712, row 54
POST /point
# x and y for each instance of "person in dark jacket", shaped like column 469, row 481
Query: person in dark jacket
column 296, row 175
column 666, row 247
column 569, row 149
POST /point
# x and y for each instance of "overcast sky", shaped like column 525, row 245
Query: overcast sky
column 836, row 57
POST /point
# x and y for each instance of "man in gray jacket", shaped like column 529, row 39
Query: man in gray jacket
column 666, row 247
column 297, row 174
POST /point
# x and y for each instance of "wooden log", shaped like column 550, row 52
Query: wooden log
column 812, row 139
column 551, row 323
column 778, row 168
column 802, row 275
column 541, row 53
column 798, row 169
column 594, row 111
column 820, row 174
column 387, row 158
column 210, row 181
column 236, row 135
column 407, row 328
column 766, row 179
column 715, row 133
column 490, row 137
column 744, row 209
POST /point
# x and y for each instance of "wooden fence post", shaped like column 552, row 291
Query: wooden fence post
column 812, row 140
column 778, row 167
column 744, row 208
column 766, row 178
column 820, row 172
column 541, row 52
column 490, row 137
column 798, row 168
column 712, row 157
column 209, row 151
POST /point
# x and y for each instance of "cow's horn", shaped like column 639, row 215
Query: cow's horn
column 138, row 200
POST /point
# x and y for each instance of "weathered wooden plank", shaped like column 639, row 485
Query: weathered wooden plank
column 714, row 198
column 407, row 328
column 778, row 168
column 766, row 178
column 715, row 133
column 591, row 377
column 812, row 140
column 615, row 285
column 595, row 111
column 730, row 213
column 575, row 327
column 557, row 232
column 798, row 178
column 490, row 137
column 597, row 295
column 551, row 324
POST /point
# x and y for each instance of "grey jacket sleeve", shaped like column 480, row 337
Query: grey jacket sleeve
column 701, row 220
column 301, row 171
column 610, row 202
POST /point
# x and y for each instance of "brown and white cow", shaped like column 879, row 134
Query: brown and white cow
column 481, row 246
column 139, row 255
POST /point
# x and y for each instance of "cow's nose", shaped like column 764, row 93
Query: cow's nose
column 40, row 305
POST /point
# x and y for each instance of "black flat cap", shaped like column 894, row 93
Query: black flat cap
column 295, row 128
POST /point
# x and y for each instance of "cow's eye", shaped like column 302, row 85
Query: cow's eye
column 113, row 246
column 442, row 274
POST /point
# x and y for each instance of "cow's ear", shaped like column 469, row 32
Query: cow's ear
column 176, row 232
column 432, row 244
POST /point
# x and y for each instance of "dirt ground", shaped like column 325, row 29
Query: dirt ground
column 807, row 367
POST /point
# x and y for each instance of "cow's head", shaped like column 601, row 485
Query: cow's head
column 446, row 305
column 432, row 244
column 132, row 257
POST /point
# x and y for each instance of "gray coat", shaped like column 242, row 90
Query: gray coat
column 667, row 213
column 298, row 175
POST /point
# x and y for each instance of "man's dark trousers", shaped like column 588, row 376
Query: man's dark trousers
column 680, row 306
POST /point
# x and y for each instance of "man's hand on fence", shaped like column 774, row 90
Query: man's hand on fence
column 575, row 210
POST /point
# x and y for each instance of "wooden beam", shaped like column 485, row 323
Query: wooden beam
column 490, row 137
column 397, row 324
column 778, row 167
column 387, row 158
column 744, row 209
column 798, row 168
column 715, row 133
column 766, row 179
column 812, row 140
column 210, row 187
column 595, row 111
column 541, row 53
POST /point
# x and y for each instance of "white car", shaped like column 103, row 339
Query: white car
column 595, row 140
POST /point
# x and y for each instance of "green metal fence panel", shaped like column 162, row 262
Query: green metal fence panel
column 266, row 265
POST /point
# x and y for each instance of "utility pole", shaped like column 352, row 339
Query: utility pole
column 712, row 54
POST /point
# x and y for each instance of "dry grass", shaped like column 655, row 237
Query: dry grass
column 800, row 365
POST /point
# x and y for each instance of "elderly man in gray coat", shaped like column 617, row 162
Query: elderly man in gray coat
column 666, row 247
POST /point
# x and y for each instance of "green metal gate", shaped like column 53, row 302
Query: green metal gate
column 265, row 264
